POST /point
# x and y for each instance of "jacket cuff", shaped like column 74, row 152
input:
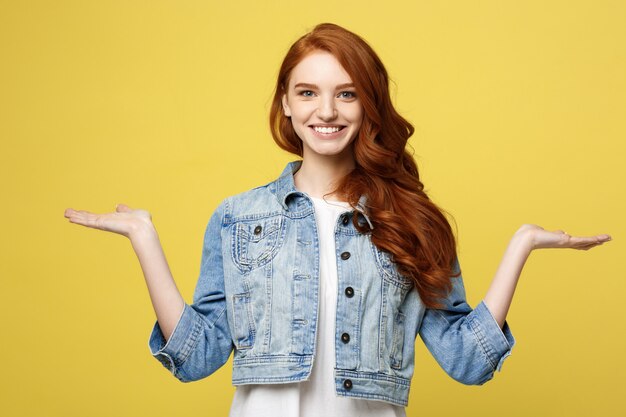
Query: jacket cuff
column 496, row 342
column 173, row 352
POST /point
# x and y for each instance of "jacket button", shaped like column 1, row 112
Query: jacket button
column 349, row 292
column 345, row 255
column 347, row 384
column 257, row 230
column 345, row 219
column 345, row 338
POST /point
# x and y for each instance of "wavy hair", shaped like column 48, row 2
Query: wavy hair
column 407, row 224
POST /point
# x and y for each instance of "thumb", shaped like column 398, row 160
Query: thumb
column 122, row 208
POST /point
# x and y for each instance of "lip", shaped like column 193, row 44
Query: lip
column 334, row 135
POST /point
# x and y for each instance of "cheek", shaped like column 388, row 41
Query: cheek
column 358, row 119
column 297, row 121
column 355, row 114
column 301, row 112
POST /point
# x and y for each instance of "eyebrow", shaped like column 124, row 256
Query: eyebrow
column 315, row 87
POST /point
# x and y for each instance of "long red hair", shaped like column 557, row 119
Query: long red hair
column 407, row 224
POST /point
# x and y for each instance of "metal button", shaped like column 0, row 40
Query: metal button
column 257, row 230
column 345, row 219
column 345, row 255
column 345, row 338
column 347, row 384
column 349, row 292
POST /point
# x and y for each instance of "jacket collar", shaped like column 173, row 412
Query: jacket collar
column 285, row 187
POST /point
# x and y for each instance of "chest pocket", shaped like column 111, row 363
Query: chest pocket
column 389, row 270
column 256, row 242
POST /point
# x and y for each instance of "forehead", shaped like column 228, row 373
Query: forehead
column 320, row 68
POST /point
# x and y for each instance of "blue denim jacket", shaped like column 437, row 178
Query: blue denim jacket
column 258, row 293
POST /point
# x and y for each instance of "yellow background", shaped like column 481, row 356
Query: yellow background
column 519, row 111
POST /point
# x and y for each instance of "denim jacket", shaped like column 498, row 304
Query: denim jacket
column 257, row 294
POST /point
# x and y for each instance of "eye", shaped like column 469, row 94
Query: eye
column 306, row 93
column 347, row 95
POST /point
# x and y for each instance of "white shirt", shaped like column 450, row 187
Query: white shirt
column 315, row 397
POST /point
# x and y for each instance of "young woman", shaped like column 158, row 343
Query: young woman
column 321, row 280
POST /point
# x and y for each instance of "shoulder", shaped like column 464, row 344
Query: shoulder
column 257, row 202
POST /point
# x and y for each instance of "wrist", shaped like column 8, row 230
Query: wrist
column 142, row 231
column 524, row 239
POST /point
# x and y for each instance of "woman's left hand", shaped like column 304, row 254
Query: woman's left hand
column 539, row 238
column 527, row 238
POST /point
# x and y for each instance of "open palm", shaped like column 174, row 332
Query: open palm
column 123, row 221
column 542, row 238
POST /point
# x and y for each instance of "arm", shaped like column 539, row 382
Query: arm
column 526, row 239
column 470, row 345
column 137, row 226
column 191, row 341
column 467, row 343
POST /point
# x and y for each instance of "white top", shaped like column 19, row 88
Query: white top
column 315, row 397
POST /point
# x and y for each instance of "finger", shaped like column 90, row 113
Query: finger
column 588, row 246
column 597, row 238
column 122, row 208
column 72, row 212
column 585, row 242
column 85, row 218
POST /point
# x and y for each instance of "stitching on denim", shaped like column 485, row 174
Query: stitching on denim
column 477, row 330
column 221, row 313
column 273, row 235
column 268, row 308
column 346, row 373
column 192, row 341
column 249, row 318
column 382, row 325
column 286, row 359
column 397, row 345
column 357, row 348
column 383, row 263
column 393, row 400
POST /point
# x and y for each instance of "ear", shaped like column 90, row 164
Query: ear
column 286, row 108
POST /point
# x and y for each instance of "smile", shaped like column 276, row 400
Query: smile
column 327, row 129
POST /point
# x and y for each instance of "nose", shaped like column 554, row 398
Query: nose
column 326, row 109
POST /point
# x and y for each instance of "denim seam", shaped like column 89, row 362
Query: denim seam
column 477, row 330
column 358, row 332
column 506, row 341
column 257, row 380
column 268, row 308
column 397, row 281
column 397, row 401
column 239, row 239
column 212, row 324
column 286, row 359
column 382, row 332
column 191, row 341
column 395, row 355
column 250, row 326
column 442, row 316
column 341, row 373
column 161, row 351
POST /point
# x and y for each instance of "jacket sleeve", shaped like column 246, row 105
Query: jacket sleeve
column 201, row 342
column 468, row 344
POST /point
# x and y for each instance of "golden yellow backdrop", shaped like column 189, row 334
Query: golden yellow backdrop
column 519, row 109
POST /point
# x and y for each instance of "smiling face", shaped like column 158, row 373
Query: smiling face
column 325, row 112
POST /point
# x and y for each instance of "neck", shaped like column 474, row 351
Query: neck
column 319, row 176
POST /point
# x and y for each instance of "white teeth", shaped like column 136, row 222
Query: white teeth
column 326, row 129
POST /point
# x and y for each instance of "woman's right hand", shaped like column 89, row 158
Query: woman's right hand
column 136, row 224
column 124, row 221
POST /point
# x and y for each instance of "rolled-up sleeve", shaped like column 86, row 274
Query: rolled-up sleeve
column 201, row 342
column 468, row 343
